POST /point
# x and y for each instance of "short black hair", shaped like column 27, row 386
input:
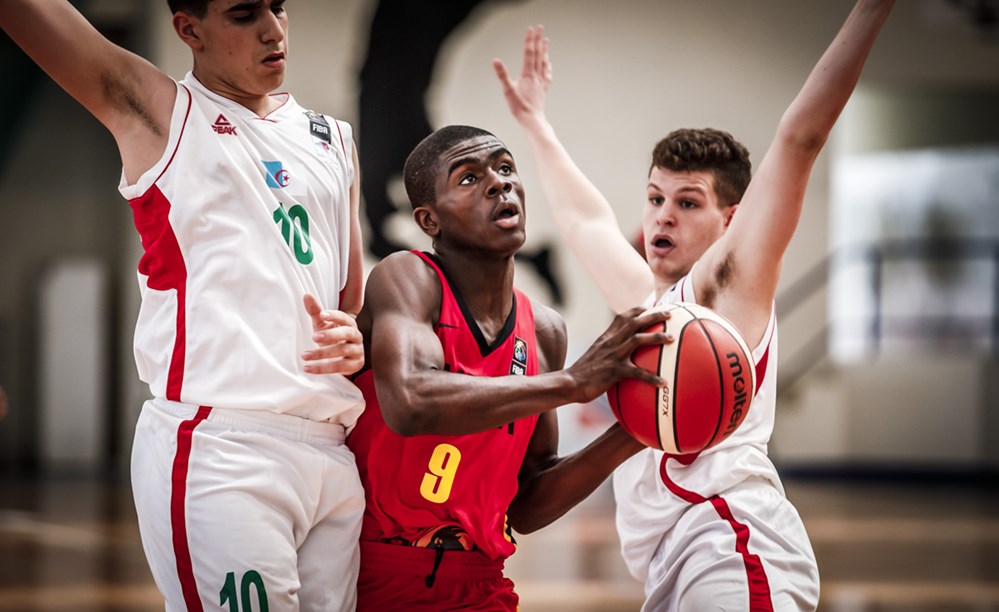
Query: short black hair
column 198, row 8
column 420, row 172
column 710, row 150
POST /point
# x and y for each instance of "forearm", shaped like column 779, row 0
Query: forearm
column 587, row 223
column 810, row 118
column 567, row 481
column 447, row 403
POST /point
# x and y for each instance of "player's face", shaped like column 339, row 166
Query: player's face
column 244, row 47
column 480, row 199
column 681, row 219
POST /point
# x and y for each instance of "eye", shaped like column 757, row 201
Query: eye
column 467, row 179
column 656, row 200
column 242, row 17
column 506, row 169
column 278, row 7
column 688, row 204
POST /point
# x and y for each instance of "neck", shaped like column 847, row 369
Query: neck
column 486, row 284
column 258, row 104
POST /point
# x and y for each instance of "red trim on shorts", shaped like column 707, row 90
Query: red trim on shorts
column 756, row 575
column 178, row 516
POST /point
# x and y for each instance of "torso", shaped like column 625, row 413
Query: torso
column 419, row 482
column 239, row 219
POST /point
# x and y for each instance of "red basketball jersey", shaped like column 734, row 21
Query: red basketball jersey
column 418, row 482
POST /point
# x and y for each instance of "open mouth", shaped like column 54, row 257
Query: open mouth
column 274, row 59
column 662, row 242
column 507, row 216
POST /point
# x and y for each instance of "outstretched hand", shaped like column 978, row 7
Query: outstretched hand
column 526, row 95
column 608, row 360
column 339, row 344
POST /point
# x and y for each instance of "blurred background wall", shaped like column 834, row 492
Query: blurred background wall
column 626, row 73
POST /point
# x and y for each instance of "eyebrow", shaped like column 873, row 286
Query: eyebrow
column 245, row 6
column 474, row 160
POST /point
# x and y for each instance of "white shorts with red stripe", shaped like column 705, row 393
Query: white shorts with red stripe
column 239, row 507
column 744, row 548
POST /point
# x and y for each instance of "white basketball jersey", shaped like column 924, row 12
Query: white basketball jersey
column 646, row 508
column 240, row 218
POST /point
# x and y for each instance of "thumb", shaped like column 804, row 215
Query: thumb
column 314, row 310
column 502, row 73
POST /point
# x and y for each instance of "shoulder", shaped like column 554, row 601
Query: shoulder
column 401, row 284
column 403, row 277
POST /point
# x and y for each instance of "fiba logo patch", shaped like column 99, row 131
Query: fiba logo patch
column 319, row 127
column 518, row 365
column 277, row 176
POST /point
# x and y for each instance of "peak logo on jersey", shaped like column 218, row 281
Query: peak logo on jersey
column 518, row 365
column 319, row 127
column 277, row 176
column 222, row 126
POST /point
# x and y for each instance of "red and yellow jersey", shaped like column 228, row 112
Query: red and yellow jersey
column 417, row 483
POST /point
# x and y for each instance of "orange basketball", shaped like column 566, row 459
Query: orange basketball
column 711, row 379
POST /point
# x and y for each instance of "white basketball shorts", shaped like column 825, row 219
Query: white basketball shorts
column 239, row 507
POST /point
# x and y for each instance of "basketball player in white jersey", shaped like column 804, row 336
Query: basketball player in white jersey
column 714, row 531
column 247, row 206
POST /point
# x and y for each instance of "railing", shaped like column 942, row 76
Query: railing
column 874, row 257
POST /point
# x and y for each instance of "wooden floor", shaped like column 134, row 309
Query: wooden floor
column 72, row 545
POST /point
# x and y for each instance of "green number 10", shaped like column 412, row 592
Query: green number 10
column 228, row 592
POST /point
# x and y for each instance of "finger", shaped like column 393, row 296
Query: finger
column 527, row 63
column 338, row 318
column 335, row 366
column 546, row 63
column 314, row 310
column 343, row 350
column 539, row 50
column 503, row 74
column 337, row 335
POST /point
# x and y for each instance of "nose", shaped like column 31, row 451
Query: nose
column 665, row 215
column 271, row 28
column 500, row 184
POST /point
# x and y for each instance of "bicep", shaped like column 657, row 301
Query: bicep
column 115, row 85
column 401, row 302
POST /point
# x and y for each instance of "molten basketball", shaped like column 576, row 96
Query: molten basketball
column 711, row 381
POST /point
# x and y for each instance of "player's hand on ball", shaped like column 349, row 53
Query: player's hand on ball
column 339, row 344
column 608, row 359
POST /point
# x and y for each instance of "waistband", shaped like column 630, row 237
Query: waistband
column 421, row 562
column 283, row 425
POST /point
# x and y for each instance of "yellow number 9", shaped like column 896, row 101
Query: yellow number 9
column 437, row 482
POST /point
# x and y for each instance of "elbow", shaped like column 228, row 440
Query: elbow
column 523, row 525
column 804, row 137
column 407, row 417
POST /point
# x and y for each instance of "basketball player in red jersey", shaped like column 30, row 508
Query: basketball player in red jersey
column 712, row 530
column 457, row 447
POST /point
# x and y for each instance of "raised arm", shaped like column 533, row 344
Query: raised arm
column 130, row 96
column 586, row 220
column 749, row 255
column 419, row 396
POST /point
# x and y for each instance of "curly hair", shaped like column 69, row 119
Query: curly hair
column 715, row 151
column 420, row 171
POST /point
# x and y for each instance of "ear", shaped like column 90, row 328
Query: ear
column 188, row 29
column 426, row 218
column 729, row 214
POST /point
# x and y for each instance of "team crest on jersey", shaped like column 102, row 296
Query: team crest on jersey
column 319, row 127
column 222, row 126
column 518, row 365
column 277, row 176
